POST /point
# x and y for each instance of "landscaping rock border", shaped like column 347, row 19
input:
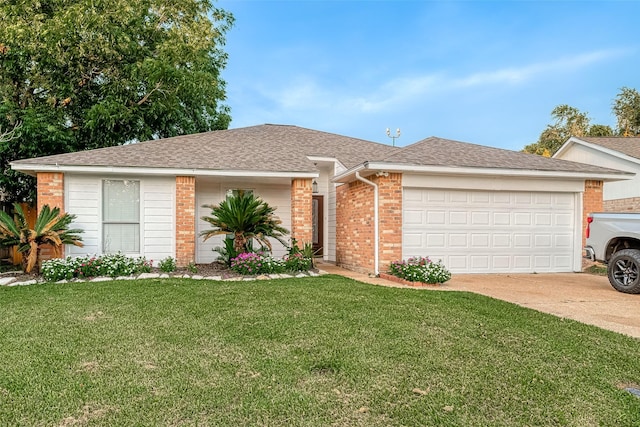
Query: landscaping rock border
column 12, row 281
column 392, row 278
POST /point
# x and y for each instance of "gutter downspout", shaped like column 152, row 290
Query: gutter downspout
column 375, row 219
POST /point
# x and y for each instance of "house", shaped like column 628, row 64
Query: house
column 361, row 203
column 612, row 152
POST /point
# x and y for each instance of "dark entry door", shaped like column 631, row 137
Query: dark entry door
column 317, row 219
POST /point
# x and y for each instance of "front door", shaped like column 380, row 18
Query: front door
column 317, row 220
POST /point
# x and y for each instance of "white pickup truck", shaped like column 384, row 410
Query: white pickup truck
column 614, row 238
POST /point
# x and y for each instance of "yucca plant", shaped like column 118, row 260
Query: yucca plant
column 50, row 228
column 247, row 217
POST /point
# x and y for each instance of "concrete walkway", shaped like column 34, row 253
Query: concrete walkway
column 583, row 297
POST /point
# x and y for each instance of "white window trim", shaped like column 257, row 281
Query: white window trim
column 140, row 214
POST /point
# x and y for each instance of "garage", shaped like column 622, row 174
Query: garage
column 475, row 231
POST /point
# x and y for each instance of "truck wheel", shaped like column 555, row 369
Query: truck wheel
column 624, row 271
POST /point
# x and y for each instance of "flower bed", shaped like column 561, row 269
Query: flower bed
column 419, row 270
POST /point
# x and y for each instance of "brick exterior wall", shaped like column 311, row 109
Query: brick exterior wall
column 591, row 202
column 390, row 219
column 355, row 227
column 185, row 220
column 631, row 204
column 50, row 191
column 301, row 210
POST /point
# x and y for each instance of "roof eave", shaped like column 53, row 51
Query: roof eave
column 349, row 175
column 575, row 140
column 33, row 169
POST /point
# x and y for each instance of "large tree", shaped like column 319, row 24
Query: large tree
column 83, row 74
column 626, row 107
column 569, row 121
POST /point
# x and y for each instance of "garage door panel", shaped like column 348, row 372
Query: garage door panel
column 414, row 217
column 458, row 217
column 486, row 231
column 436, row 217
column 501, row 218
column 435, row 240
column 412, row 240
column 480, row 218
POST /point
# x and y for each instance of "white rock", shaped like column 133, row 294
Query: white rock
column 313, row 274
column 6, row 280
column 164, row 276
column 197, row 277
column 285, row 276
column 233, row 279
column 274, row 276
column 102, row 279
column 63, row 281
column 148, row 276
column 213, row 278
column 125, row 278
column 28, row 282
column 301, row 275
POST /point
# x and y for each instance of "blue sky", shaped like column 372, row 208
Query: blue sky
column 486, row 72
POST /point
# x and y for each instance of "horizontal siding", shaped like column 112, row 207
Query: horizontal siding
column 82, row 200
column 158, row 213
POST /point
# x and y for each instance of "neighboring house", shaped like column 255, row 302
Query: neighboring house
column 364, row 204
column 620, row 153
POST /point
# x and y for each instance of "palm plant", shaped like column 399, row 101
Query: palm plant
column 50, row 228
column 246, row 217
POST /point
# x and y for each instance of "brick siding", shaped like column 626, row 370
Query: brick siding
column 185, row 220
column 355, row 227
column 301, row 210
column 390, row 219
column 630, row 204
column 591, row 202
column 50, row 191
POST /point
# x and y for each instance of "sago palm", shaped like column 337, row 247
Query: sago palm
column 246, row 217
column 50, row 228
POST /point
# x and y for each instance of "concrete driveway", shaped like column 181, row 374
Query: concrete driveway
column 579, row 296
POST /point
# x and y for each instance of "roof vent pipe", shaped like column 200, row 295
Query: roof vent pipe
column 375, row 220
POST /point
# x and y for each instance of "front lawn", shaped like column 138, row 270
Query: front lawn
column 297, row 352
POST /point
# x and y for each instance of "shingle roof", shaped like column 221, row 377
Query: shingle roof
column 435, row 151
column 284, row 148
column 625, row 145
column 263, row 148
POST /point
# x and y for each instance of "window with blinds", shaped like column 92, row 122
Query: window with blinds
column 120, row 216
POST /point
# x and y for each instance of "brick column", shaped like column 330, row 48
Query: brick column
column 389, row 219
column 301, row 215
column 50, row 191
column 185, row 220
column 591, row 202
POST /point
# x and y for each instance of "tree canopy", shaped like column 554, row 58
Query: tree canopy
column 569, row 121
column 84, row 74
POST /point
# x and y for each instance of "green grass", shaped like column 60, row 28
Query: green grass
column 301, row 352
column 597, row 269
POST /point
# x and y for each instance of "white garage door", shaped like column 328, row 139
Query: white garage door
column 490, row 231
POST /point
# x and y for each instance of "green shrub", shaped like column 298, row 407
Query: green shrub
column 167, row 265
column 111, row 265
column 419, row 269
column 297, row 262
